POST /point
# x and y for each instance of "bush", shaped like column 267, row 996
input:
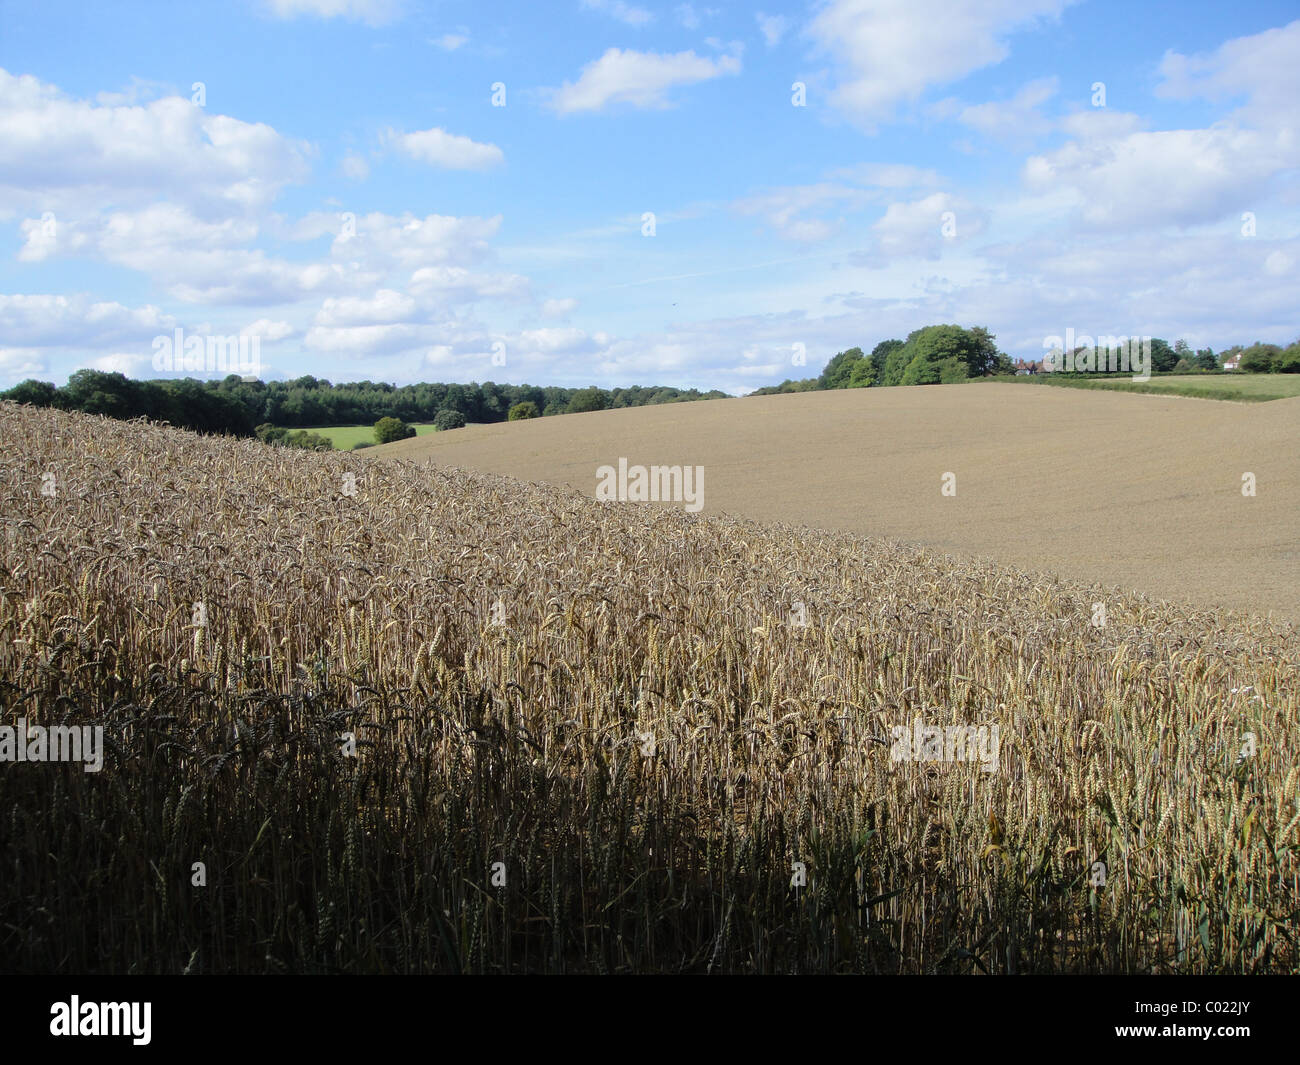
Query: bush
column 523, row 411
column 448, row 419
column 389, row 429
column 362, row 443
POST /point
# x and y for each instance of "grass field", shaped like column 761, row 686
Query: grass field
column 343, row 437
column 613, row 738
column 1243, row 388
column 1140, row 492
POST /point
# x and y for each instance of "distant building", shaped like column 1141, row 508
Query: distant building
column 1231, row 362
column 1022, row 367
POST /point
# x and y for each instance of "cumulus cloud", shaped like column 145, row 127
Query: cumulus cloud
column 449, row 151
column 1261, row 67
column 921, row 227
column 887, row 52
column 268, row 330
column 638, row 79
column 73, row 156
column 1166, row 177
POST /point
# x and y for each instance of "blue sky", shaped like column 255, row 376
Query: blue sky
column 345, row 190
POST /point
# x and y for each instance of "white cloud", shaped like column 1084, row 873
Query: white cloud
column 123, row 362
column 890, row 51
column 384, row 307
column 371, row 12
column 641, row 79
column 449, row 151
column 71, row 156
column 449, row 42
column 773, row 27
column 18, row 363
column 917, row 228
column 386, row 242
column 268, row 330
column 1016, row 119
column 1179, row 177
column 624, row 12
column 1261, row 67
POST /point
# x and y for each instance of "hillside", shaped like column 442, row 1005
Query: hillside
column 1133, row 491
column 435, row 720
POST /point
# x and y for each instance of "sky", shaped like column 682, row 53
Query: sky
column 575, row 192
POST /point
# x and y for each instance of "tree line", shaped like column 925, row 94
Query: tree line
column 238, row 407
column 946, row 354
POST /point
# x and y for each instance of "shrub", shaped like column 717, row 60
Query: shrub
column 448, row 419
column 389, row 429
column 362, row 443
column 523, row 411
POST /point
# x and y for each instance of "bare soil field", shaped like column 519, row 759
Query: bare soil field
column 1139, row 492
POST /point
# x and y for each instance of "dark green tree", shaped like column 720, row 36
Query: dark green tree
column 389, row 429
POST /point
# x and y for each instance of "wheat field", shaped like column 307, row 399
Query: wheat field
column 433, row 720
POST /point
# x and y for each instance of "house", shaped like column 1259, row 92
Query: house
column 1022, row 367
column 1232, row 361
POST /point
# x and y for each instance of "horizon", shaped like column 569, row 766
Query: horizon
column 379, row 191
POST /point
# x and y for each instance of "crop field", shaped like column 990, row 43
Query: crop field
column 1241, row 387
column 1138, row 493
column 367, row 715
column 344, row 437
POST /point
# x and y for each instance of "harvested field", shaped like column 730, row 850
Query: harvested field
column 1137, row 492
column 623, row 706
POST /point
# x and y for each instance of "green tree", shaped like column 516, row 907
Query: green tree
column 588, row 399
column 837, row 372
column 880, row 355
column 952, row 371
column 32, row 392
column 448, row 419
column 523, row 411
column 863, row 374
column 1260, row 358
column 1289, row 360
column 919, row 360
column 1163, row 357
column 389, row 429
column 1205, row 359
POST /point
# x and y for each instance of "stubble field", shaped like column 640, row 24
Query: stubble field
column 1135, row 492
